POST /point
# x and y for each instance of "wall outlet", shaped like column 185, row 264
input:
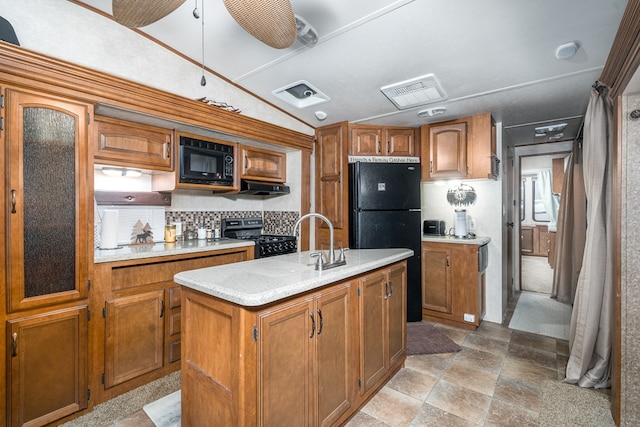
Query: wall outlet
column 469, row 318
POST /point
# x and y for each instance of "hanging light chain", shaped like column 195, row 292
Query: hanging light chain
column 203, row 80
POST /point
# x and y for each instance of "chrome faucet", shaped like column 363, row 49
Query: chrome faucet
column 320, row 265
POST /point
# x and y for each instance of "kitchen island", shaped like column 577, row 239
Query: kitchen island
column 275, row 342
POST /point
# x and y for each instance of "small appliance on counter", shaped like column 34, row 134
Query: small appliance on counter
column 461, row 223
column 434, row 227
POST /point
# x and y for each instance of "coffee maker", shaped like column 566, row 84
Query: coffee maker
column 460, row 224
column 459, row 197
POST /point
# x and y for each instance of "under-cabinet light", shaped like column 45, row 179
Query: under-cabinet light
column 132, row 173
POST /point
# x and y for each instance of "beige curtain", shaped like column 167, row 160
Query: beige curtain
column 591, row 330
column 572, row 224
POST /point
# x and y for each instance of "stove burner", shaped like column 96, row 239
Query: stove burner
column 250, row 229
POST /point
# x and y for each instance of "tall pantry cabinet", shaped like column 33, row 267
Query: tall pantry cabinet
column 47, row 255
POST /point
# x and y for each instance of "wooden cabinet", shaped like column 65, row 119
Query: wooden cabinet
column 47, row 375
column 47, row 199
column 460, row 149
column 381, row 141
column 383, row 324
column 437, row 292
column 139, row 336
column 309, row 339
column 534, row 240
column 332, row 184
column 123, row 143
column 452, row 286
column 46, row 256
column 134, row 337
column 263, row 165
column 302, row 359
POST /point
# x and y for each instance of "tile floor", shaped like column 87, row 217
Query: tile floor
column 494, row 381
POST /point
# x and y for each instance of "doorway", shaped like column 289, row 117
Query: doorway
column 537, row 184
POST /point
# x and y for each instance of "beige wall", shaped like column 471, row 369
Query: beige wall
column 630, row 271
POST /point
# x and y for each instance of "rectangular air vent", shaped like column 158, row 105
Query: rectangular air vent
column 419, row 91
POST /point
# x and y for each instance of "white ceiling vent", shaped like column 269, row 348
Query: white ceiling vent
column 419, row 91
column 301, row 94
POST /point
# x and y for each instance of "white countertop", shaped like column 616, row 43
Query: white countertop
column 266, row 280
column 478, row 240
column 165, row 249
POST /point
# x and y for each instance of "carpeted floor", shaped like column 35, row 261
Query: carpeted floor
column 537, row 274
column 127, row 403
column 541, row 314
column 424, row 338
column 569, row 405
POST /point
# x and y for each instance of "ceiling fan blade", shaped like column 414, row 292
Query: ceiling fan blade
column 140, row 13
column 270, row 21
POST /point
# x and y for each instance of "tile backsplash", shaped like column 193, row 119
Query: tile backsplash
column 275, row 222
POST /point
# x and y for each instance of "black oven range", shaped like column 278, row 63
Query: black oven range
column 251, row 229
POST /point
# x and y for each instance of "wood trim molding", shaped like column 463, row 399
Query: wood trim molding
column 26, row 68
column 624, row 57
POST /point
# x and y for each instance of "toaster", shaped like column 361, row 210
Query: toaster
column 433, row 227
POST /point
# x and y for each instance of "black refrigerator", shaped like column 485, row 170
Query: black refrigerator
column 384, row 212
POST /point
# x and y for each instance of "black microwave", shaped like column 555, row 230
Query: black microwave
column 206, row 162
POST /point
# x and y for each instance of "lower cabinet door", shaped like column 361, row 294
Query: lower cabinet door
column 134, row 336
column 436, row 279
column 286, row 340
column 334, row 354
column 47, row 366
column 373, row 356
column 397, row 313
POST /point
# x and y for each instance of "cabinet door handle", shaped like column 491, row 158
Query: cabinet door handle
column 379, row 147
column 390, row 288
column 386, row 290
column 161, row 308
column 313, row 325
column 13, row 201
column 388, row 147
column 321, row 322
column 246, row 162
column 14, row 344
column 431, row 166
column 448, row 265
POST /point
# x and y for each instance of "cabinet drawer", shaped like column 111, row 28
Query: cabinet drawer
column 130, row 276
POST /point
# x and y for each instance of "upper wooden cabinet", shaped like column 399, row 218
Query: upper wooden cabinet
column 332, row 183
column 382, row 141
column 122, row 143
column 47, row 194
column 263, row 165
column 464, row 149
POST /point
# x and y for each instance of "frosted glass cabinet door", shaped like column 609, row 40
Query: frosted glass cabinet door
column 48, row 219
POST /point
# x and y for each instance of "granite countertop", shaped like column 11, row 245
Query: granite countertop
column 266, row 280
column 478, row 240
column 128, row 252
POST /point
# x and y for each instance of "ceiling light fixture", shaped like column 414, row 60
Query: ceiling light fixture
column 430, row 112
column 566, row 50
column 542, row 130
column 305, row 33
column 321, row 115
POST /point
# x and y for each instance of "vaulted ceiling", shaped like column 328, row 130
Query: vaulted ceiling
column 490, row 55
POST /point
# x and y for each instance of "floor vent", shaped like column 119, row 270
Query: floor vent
column 419, row 91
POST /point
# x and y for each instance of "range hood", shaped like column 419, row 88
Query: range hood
column 260, row 188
